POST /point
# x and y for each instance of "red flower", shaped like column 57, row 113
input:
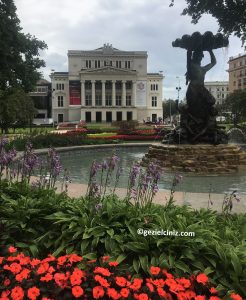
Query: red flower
column 200, row 298
column 102, row 281
column 202, row 278
column 44, row 267
column 136, row 285
column 124, row 292
column 15, row 268
column 61, row 279
column 75, row 258
column 6, row 282
column 121, row 281
column 1, row 259
column 98, row 292
column 155, row 270
column 113, row 293
column 77, row 291
column 103, row 271
column 105, row 258
column 236, row 297
column 61, row 260
column 161, row 292
column 184, row 282
column 17, row 293
column 113, row 263
column 12, row 249
column 33, row 293
column 214, row 298
column 143, row 296
column 150, row 286
column 75, row 279
column 35, row 262
column 213, row 290
column 22, row 275
column 48, row 277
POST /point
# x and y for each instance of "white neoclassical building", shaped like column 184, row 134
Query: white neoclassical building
column 106, row 85
column 219, row 89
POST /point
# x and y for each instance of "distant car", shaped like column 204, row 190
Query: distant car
column 220, row 119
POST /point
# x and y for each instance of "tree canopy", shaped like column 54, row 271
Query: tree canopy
column 19, row 52
column 236, row 103
column 230, row 14
column 16, row 108
column 169, row 108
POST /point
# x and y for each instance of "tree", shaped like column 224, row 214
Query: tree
column 17, row 108
column 230, row 14
column 236, row 103
column 169, row 108
column 19, row 52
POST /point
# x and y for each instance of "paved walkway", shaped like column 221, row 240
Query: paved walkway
column 196, row 200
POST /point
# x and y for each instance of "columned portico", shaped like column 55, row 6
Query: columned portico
column 93, row 92
column 103, row 92
column 123, row 93
column 113, row 93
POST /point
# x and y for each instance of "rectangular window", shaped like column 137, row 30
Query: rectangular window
column 60, row 118
column 128, row 100
column 129, row 64
column 87, row 116
column 60, row 101
column 60, row 86
column 98, row 100
column 108, row 99
column 118, row 64
column 154, row 101
column 118, row 100
column 119, row 116
column 88, row 64
column 108, row 116
column 126, row 64
column 98, row 116
column 129, row 115
column 97, row 63
column 154, row 87
column 88, row 100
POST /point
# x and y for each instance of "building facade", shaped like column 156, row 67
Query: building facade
column 106, row 85
column 219, row 89
column 237, row 72
column 41, row 96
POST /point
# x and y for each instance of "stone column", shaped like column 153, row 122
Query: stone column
column 134, row 93
column 123, row 93
column 82, row 93
column 113, row 93
column 93, row 93
column 103, row 93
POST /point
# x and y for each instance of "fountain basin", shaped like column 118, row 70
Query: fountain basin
column 200, row 159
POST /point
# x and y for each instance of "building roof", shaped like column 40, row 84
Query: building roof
column 42, row 81
column 240, row 55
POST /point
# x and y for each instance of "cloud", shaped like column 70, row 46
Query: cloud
column 126, row 24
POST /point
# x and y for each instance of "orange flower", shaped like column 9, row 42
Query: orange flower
column 105, row 258
column 102, row 281
column 22, row 275
column 15, row 268
column 77, row 291
column 48, row 277
column 98, row 292
column 74, row 258
column 184, row 282
column 12, row 249
column 33, row 293
column 150, row 286
column 161, row 292
column 214, row 298
column 35, row 262
column 213, row 290
column 61, row 279
column 17, row 293
column 155, row 270
column 113, row 263
column 202, row 278
column 124, row 292
column 200, row 298
column 113, row 293
column 121, row 281
column 75, row 279
column 236, row 297
column 143, row 296
column 61, row 260
column 103, row 271
column 44, row 267
column 136, row 285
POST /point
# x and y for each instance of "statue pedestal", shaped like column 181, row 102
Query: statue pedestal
column 200, row 159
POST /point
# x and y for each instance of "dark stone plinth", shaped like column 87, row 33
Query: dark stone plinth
column 199, row 159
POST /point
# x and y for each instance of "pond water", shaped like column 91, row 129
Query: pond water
column 78, row 163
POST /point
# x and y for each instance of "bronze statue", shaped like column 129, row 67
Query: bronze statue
column 198, row 115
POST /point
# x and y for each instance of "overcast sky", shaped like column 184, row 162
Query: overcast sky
column 129, row 25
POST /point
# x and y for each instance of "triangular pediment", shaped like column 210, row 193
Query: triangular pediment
column 108, row 70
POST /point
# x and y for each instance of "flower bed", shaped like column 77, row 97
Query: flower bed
column 127, row 137
column 72, row 277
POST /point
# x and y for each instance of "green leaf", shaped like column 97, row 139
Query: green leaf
column 236, row 263
column 121, row 257
column 136, row 265
column 144, row 263
column 90, row 256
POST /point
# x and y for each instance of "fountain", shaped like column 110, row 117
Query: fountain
column 198, row 144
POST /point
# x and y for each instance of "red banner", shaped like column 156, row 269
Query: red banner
column 75, row 92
